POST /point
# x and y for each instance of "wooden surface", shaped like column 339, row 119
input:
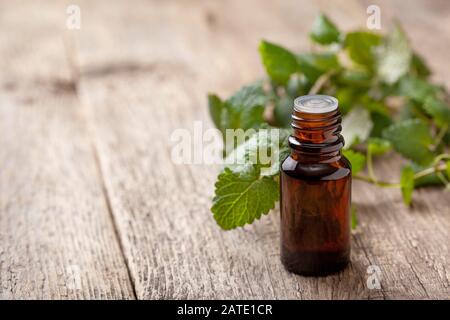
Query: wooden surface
column 91, row 205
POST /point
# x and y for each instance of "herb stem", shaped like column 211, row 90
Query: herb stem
column 442, row 178
column 384, row 184
column 370, row 169
column 439, row 137
column 320, row 82
column 418, row 175
column 429, row 171
column 441, row 157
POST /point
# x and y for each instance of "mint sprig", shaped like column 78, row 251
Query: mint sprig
column 243, row 197
column 388, row 105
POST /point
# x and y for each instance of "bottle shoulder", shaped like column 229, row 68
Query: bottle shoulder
column 316, row 171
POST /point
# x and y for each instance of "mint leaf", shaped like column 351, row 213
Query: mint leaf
column 394, row 57
column 279, row 62
column 438, row 110
column 356, row 126
column 215, row 109
column 297, row 86
column 417, row 89
column 265, row 149
column 242, row 198
column 355, row 78
column 245, row 108
column 411, row 138
column 313, row 65
column 283, row 111
column 378, row 146
column 419, row 67
column 252, row 117
column 428, row 180
column 446, row 139
column 374, row 106
column 407, row 184
column 357, row 160
column 360, row 47
column 324, row 31
column 447, row 169
column 380, row 122
column 248, row 97
column 346, row 97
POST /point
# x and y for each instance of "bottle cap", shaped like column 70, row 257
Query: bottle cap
column 315, row 104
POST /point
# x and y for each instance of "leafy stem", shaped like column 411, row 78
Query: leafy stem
column 387, row 103
column 435, row 169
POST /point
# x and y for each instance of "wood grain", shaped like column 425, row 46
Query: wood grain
column 172, row 244
column 87, row 176
column 57, row 240
column 56, row 235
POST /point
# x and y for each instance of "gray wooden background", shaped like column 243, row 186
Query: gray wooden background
column 91, row 206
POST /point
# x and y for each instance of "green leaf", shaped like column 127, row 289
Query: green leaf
column 242, row 198
column 297, row 86
column 248, row 97
column 378, row 146
column 394, row 57
column 356, row 126
column 355, row 78
column 245, row 108
column 417, row 89
column 313, row 65
column 283, row 111
column 380, row 122
column 374, row 106
column 215, row 109
column 346, row 97
column 412, row 139
column 324, row 31
column 252, row 117
column 446, row 139
column 229, row 118
column 438, row 110
column 379, row 114
column 407, row 184
column 360, row 47
column 354, row 217
column 419, row 67
column 447, row 169
column 357, row 160
column 265, row 149
column 279, row 62
column 428, row 180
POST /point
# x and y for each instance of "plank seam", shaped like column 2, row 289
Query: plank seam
column 111, row 214
column 75, row 79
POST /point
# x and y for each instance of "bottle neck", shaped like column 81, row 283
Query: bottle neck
column 316, row 137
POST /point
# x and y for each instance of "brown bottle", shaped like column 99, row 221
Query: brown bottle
column 315, row 190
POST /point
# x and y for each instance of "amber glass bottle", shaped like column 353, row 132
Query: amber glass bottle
column 315, row 190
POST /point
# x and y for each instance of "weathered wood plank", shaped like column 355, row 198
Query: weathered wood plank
column 171, row 242
column 57, row 239
column 145, row 70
